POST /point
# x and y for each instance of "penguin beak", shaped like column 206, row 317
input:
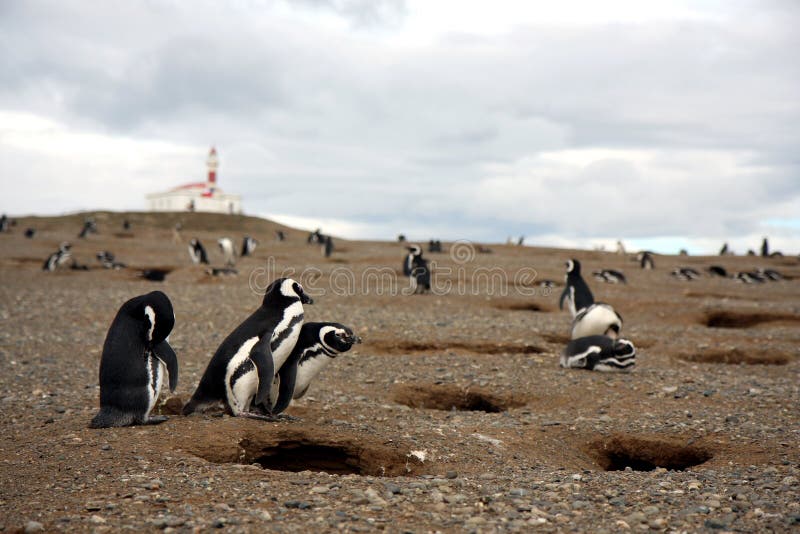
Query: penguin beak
column 305, row 299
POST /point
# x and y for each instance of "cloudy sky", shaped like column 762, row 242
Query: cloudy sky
column 667, row 124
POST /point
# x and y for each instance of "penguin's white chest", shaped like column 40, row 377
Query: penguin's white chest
column 156, row 370
column 285, row 335
column 597, row 320
column 241, row 378
column 309, row 369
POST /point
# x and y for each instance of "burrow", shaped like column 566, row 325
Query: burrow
column 454, row 398
column 646, row 453
column 477, row 347
column 738, row 356
column 733, row 319
column 521, row 306
column 335, row 452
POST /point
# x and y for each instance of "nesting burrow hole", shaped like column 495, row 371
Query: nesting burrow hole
column 731, row 319
column 335, row 453
column 520, row 306
column 477, row 347
column 738, row 356
column 454, row 398
column 616, row 453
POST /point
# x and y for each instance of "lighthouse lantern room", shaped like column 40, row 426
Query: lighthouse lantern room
column 197, row 196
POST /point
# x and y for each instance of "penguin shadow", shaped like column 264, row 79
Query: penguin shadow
column 448, row 397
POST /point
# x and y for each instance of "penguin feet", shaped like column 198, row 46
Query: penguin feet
column 260, row 417
column 156, row 419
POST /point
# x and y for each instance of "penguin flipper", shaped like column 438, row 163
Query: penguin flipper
column 288, row 375
column 564, row 296
column 164, row 352
column 261, row 356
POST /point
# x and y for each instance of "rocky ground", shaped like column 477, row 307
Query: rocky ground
column 453, row 415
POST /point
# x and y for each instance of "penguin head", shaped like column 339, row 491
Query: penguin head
column 155, row 309
column 415, row 250
column 623, row 347
column 337, row 337
column 573, row 266
column 287, row 288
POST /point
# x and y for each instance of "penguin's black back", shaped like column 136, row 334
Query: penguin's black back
column 583, row 295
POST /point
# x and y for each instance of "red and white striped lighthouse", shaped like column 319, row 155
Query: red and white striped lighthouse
column 213, row 163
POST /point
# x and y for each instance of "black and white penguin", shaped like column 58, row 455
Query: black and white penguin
column 222, row 271
column 420, row 274
column 107, row 260
column 135, row 355
column 610, row 276
column 89, row 227
column 317, row 346
column 408, row 261
column 197, row 251
column 327, row 246
column 599, row 353
column 646, row 261
column 3, row 223
column 764, row 248
column 58, row 258
column 434, row 245
column 315, row 237
column 718, row 270
column 30, row 232
column 770, row 274
column 248, row 246
column 598, row 319
column 724, row 250
column 241, row 372
column 126, row 225
column 576, row 292
column 686, row 274
column 226, row 246
column 280, row 235
column 749, row 277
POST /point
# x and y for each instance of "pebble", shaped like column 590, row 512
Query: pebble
column 33, row 526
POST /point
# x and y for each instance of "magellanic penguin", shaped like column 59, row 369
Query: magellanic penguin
column 646, row 260
column 599, row 353
column 197, row 251
column 576, row 292
column 408, row 261
column 135, row 355
column 598, row 319
column 226, row 246
column 686, row 274
column 610, row 276
column 241, row 372
column 317, row 346
column 249, row 245
column 58, row 258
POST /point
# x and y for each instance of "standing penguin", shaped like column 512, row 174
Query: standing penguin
column 241, row 372
column 646, row 260
column 408, row 261
column 327, row 246
column 317, row 346
column 576, row 292
column 248, row 246
column 599, row 353
column 421, row 274
column 135, row 355
column 764, row 248
column 226, row 246
column 597, row 319
column 197, row 251
column 58, row 258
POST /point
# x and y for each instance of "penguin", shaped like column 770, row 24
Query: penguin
column 599, row 353
column 547, row 284
column 280, row 235
column 222, row 271
column 317, row 346
column 686, row 274
column 718, row 270
column 241, row 372
column 401, row 238
column 434, row 245
column 576, row 293
column 597, row 319
column 4, row 223
column 135, row 355
column 610, row 276
column 30, row 232
column 420, row 274
column 620, row 248
column 315, row 237
column 770, row 274
column 89, row 227
column 248, row 246
column 724, row 250
column 58, row 258
column 197, row 251
column 646, row 260
column 226, row 246
column 106, row 259
column 155, row 275
column 408, row 261
column 748, row 277
column 327, row 246
column 126, row 225
column 764, row 248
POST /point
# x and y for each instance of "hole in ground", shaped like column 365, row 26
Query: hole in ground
column 731, row 319
column 294, row 450
column 449, row 397
column 520, row 306
column 478, row 347
column 738, row 356
column 620, row 451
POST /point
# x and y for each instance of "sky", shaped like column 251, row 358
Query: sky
column 667, row 124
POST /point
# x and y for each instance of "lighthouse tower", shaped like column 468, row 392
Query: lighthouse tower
column 198, row 196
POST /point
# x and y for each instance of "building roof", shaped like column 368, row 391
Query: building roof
column 195, row 185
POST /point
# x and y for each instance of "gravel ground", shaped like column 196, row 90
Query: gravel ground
column 453, row 415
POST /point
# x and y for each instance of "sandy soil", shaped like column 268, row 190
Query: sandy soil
column 453, row 415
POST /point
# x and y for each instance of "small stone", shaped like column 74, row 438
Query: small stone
column 635, row 518
column 475, row 520
column 320, row 489
column 715, row 524
column 97, row 520
column 218, row 523
column 789, row 481
column 451, row 475
column 106, row 447
column 394, row 489
column 650, row 510
column 33, row 526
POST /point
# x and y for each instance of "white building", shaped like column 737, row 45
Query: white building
column 199, row 196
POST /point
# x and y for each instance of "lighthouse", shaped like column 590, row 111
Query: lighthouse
column 198, row 196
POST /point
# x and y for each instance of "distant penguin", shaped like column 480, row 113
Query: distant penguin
column 226, row 246
column 770, row 274
column 242, row 370
column 547, row 284
column 683, row 252
column 135, row 355
column 599, row 319
column 686, row 274
column 4, row 223
column 89, row 227
column 764, row 248
column 599, row 353
column 248, row 246
column 521, row 241
column 222, row 271
column 749, row 277
column 576, row 292
column 610, row 276
column 751, row 252
column 126, row 225
column 401, row 238
column 724, row 250
column 317, row 346
column 327, row 246
column 107, row 260
column 279, row 235
column 620, row 248
column 315, row 237
column 434, row 245
column 646, row 260
column 197, row 251
column 420, row 274
column 30, row 232
column 408, row 261
column 718, row 270
column 58, row 258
